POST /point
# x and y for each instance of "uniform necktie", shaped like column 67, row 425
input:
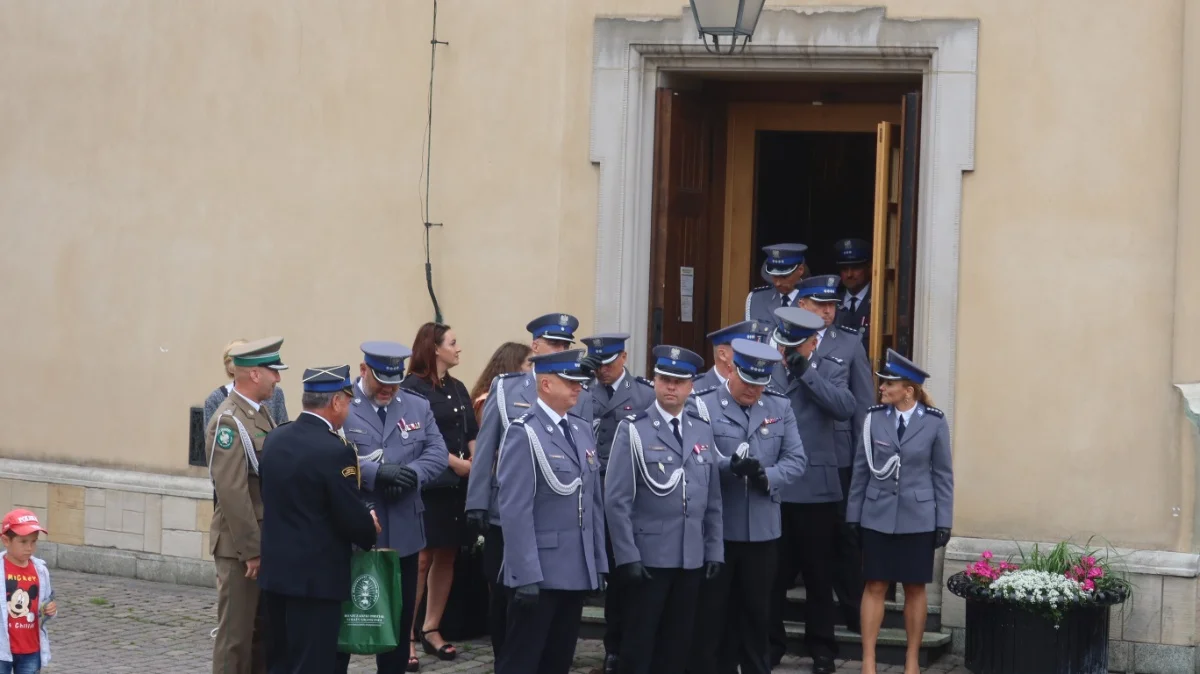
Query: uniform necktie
column 611, row 391
column 382, row 411
column 566, row 429
column 783, row 300
column 853, row 303
column 675, row 430
column 900, row 429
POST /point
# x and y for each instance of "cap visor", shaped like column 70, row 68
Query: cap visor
column 674, row 375
column 821, row 298
column 611, row 359
column 278, row 366
column 888, row 376
column 558, row 338
column 387, row 380
column 782, row 271
column 780, row 340
column 26, row 529
column 752, row 380
column 574, row 376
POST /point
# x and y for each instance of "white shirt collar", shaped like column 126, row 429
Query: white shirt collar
column 323, row 419
column 720, row 379
column 792, row 295
column 861, row 295
column 666, row 416
column 617, row 384
column 907, row 415
column 555, row 417
column 253, row 404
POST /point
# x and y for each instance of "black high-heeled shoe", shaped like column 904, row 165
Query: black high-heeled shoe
column 446, row 653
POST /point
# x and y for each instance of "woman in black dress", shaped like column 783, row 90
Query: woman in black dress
column 901, row 501
column 435, row 351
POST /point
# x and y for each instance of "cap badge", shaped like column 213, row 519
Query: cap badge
column 776, row 254
column 579, row 357
column 563, row 319
column 762, row 363
column 831, row 282
column 674, row 354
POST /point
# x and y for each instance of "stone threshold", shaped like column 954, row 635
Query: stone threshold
column 106, row 478
column 126, row 564
column 1151, row 562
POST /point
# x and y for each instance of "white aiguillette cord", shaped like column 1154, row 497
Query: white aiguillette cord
column 891, row 468
column 637, row 457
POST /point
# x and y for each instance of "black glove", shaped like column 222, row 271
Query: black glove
column 941, row 536
column 759, row 480
column 526, row 595
column 478, row 520
column 855, row 532
column 633, row 572
column 744, row 467
column 711, row 569
column 589, row 364
column 797, row 363
column 394, row 474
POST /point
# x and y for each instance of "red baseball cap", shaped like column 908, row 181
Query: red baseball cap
column 22, row 523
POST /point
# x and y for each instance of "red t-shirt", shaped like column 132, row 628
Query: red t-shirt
column 21, row 594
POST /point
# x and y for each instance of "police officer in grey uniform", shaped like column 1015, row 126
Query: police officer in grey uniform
column 722, row 368
column 853, row 257
column 552, row 512
column 616, row 394
column 819, row 396
column 400, row 449
column 759, row 452
column 510, row 396
column 662, row 499
column 785, row 266
column 901, row 500
column 819, row 295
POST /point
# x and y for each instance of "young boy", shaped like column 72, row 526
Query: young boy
column 24, row 646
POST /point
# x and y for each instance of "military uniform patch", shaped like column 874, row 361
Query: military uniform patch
column 875, row 408
column 936, row 412
column 224, row 437
column 349, row 471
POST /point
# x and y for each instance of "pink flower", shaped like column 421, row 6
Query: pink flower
column 987, row 554
column 1089, row 585
column 1089, row 560
column 1095, row 572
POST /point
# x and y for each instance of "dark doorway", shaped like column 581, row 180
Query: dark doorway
column 812, row 188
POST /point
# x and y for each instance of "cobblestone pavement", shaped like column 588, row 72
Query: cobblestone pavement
column 108, row 624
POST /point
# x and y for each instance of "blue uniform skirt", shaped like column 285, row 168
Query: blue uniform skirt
column 897, row 558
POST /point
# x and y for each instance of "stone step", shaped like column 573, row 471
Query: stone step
column 889, row 648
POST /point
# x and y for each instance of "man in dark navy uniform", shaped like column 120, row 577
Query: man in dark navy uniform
column 312, row 513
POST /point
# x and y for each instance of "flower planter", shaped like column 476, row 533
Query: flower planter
column 1003, row 638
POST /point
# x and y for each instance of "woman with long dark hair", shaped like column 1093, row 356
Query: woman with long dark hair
column 510, row 357
column 435, row 352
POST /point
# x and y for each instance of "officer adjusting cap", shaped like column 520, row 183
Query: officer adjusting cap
column 794, row 325
column 386, row 360
column 678, row 362
column 607, row 347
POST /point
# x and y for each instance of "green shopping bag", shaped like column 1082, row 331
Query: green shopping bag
column 371, row 619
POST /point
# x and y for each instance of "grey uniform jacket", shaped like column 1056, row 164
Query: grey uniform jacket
column 410, row 437
column 706, row 381
column 554, row 540
column 921, row 497
column 630, row 396
column 761, row 304
column 519, row 396
column 819, row 398
column 677, row 527
column 771, row 435
column 843, row 343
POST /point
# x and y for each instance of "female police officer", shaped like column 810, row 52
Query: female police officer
column 901, row 500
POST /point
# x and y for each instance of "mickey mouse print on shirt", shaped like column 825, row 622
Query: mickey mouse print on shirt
column 21, row 594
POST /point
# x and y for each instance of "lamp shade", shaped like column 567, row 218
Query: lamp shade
column 727, row 17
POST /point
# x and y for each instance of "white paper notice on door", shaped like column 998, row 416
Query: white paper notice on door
column 687, row 284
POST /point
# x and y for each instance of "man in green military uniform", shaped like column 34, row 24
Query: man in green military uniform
column 234, row 440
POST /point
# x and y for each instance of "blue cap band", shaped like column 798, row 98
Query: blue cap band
column 682, row 365
column 327, row 386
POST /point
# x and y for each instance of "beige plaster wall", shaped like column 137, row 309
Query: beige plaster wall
column 178, row 174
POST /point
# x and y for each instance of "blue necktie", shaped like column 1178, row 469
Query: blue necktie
column 566, row 429
column 382, row 411
column 900, row 429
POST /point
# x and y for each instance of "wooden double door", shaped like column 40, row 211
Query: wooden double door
column 704, row 254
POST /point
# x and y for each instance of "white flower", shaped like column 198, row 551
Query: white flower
column 1038, row 587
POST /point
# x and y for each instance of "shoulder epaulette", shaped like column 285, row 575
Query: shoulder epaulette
column 835, row 359
column 847, row 328
column 642, row 380
column 506, row 375
column 521, row 419
column 876, row 408
column 754, row 290
column 635, row 417
column 935, row 412
column 587, row 385
column 415, row 393
column 710, row 389
column 777, row 394
column 694, row 414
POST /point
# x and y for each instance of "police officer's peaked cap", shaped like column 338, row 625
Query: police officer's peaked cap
column 565, row 364
column 606, row 347
column 678, row 362
column 754, row 330
column 783, row 258
column 896, row 366
column 851, row 251
column 560, row 327
column 820, row 288
column 754, row 360
column 795, row 325
column 386, row 360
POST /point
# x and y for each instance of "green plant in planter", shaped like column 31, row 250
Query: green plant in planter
column 1045, row 583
